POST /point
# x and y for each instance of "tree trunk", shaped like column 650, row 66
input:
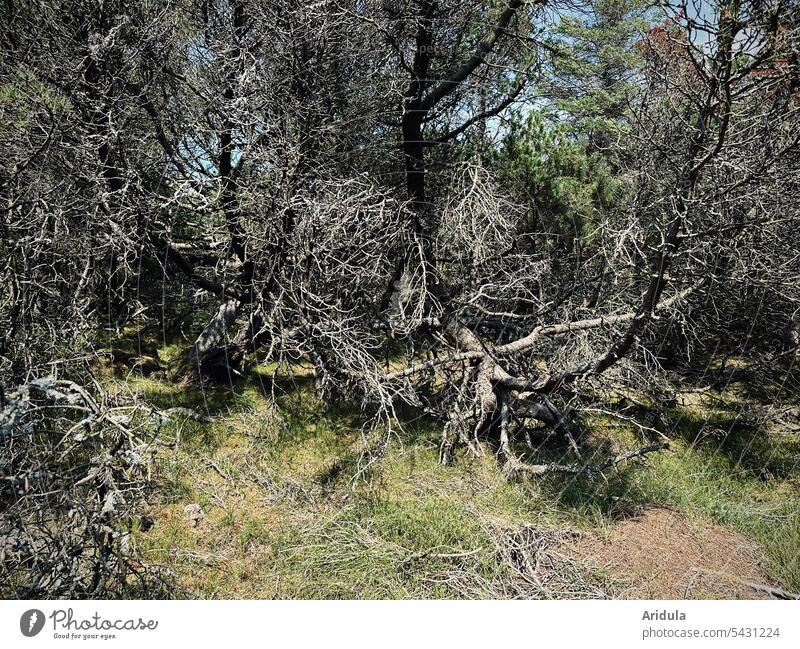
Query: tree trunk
column 203, row 360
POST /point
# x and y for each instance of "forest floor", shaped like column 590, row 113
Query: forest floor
column 259, row 502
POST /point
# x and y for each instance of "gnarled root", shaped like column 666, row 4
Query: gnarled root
column 483, row 411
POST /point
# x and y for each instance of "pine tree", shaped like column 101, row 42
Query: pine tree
column 595, row 63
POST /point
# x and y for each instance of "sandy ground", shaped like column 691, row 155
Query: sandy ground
column 659, row 554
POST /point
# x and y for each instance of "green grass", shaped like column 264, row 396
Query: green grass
column 283, row 517
column 718, row 469
column 278, row 525
column 707, row 482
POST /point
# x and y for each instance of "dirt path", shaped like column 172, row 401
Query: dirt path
column 660, row 554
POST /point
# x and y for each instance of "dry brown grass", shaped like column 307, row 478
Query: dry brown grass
column 661, row 554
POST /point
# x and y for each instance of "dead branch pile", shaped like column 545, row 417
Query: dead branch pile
column 73, row 472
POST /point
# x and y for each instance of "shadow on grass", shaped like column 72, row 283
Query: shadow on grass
column 742, row 441
column 597, row 498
